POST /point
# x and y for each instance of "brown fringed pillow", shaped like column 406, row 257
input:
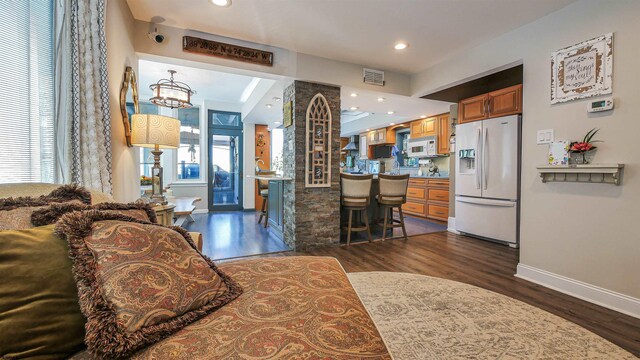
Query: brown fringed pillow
column 15, row 213
column 51, row 214
column 138, row 282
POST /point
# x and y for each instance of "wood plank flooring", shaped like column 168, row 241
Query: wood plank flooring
column 484, row 264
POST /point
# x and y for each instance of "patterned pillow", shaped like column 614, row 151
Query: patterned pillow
column 138, row 282
column 51, row 214
column 15, row 213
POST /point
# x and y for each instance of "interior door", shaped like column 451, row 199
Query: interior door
column 468, row 156
column 500, row 151
column 225, row 169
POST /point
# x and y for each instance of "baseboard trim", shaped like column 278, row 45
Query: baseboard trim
column 600, row 296
column 201, row 211
column 451, row 226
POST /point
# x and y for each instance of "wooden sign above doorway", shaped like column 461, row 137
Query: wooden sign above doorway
column 226, row 51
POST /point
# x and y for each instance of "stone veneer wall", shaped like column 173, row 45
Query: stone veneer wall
column 311, row 215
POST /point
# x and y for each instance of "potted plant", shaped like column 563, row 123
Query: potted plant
column 581, row 148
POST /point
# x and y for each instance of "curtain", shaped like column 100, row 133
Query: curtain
column 83, row 124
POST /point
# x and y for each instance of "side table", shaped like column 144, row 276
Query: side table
column 165, row 213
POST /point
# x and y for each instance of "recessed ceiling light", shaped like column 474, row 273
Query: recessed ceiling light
column 276, row 99
column 368, row 129
column 381, row 99
column 353, row 108
column 423, row 116
column 392, row 124
column 354, row 94
column 277, row 122
column 390, row 112
column 269, row 106
column 401, row 46
column 223, row 3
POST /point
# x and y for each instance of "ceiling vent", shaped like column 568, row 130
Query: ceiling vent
column 373, row 77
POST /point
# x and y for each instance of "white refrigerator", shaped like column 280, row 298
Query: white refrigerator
column 487, row 179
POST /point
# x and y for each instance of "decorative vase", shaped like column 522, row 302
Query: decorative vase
column 582, row 158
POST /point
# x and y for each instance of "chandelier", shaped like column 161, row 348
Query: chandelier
column 171, row 94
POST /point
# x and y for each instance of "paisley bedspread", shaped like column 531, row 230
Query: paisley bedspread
column 291, row 308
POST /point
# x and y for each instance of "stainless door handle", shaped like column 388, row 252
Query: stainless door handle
column 478, row 158
column 484, row 156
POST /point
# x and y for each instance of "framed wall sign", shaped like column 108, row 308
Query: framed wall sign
column 582, row 70
column 318, row 143
column 287, row 114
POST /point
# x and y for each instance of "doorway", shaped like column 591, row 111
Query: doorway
column 225, row 161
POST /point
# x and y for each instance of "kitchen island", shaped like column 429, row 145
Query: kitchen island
column 275, row 204
column 427, row 198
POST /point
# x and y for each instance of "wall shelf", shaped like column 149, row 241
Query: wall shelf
column 591, row 173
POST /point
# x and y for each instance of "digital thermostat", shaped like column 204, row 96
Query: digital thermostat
column 600, row 105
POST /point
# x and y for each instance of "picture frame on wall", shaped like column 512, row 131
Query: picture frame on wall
column 582, row 70
column 287, row 114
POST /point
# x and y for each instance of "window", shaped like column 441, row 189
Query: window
column 277, row 142
column 26, row 96
column 224, row 118
column 188, row 155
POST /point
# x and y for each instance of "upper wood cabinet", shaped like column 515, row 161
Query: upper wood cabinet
column 381, row 136
column 506, row 101
column 426, row 127
column 364, row 148
column 497, row 103
column 443, row 134
column 416, row 129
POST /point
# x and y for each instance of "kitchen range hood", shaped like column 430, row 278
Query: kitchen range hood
column 353, row 143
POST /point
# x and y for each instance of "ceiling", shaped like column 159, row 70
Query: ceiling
column 207, row 84
column 361, row 32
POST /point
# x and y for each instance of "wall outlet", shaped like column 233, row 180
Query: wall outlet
column 544, row 137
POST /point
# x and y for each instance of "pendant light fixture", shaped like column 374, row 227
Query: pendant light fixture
column 171, row 94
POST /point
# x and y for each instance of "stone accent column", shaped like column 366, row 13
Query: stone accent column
column 311, row 215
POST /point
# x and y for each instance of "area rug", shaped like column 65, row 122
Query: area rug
column 423, row 317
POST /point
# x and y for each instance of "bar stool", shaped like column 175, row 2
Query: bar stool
column 263, row 189
column 356, row 196
column 393, row 194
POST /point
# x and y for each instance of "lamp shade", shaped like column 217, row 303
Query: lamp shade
column 149, row 130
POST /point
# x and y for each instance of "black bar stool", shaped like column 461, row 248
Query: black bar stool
column 393, row 194
column 356, row 196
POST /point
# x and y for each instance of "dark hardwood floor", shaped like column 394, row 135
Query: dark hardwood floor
column 484, row 264
column 232, row 234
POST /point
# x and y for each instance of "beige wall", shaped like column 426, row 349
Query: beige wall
column 585, row 232
column 120, row 53
column 286, row 63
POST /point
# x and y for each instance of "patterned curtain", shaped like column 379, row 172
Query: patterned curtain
column 84, row 123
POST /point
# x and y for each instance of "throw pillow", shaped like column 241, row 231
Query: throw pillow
column 138, row 282
column 15, row 213
column 39, row 312
column 51, row 214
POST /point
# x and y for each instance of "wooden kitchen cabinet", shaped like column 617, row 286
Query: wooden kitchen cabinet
column 507, row 101
column 443, row 134
column 416, row 129
column 428, row 198
column 473, row 109
column 504, row 102
column 381, row 136
column 429, row 126
column 425, row 127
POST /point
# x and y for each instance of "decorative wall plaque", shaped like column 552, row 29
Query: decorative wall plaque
column 318, row 143
column 227, row 51
column 287, row 114
column 582, row 70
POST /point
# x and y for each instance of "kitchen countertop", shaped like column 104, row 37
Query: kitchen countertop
column 269, row 178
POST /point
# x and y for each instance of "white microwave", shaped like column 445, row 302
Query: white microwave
column 422, row 147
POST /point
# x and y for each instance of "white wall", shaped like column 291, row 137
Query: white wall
column 120, row 53
column 584, row 232
column 249, row 132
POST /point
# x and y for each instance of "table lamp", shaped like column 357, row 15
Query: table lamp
column 157, row 132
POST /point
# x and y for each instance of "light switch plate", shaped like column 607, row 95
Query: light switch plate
column 544, row 137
